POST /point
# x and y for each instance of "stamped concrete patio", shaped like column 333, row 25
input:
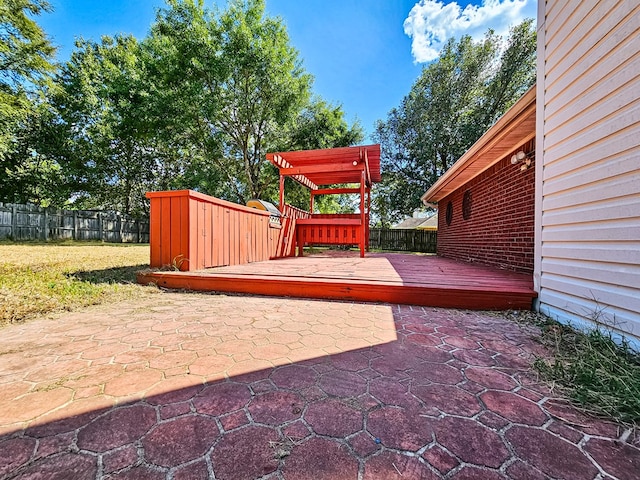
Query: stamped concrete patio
column 191, row 386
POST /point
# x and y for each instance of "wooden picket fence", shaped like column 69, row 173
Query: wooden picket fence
column 403, row 240
column 30, row 222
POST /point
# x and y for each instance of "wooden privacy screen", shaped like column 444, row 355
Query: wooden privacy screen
column 190, row 231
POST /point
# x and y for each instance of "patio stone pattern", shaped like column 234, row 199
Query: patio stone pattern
column 197, row 386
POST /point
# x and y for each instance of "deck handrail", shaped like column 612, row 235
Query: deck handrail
column 206, row 199
column 329, row 221
column 295, row 212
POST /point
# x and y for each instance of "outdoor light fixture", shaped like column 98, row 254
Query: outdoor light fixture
column 525, row 158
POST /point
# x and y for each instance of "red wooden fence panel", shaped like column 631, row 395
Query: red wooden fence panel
column 190, row 231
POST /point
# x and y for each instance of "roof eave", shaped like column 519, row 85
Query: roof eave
column 432, row 196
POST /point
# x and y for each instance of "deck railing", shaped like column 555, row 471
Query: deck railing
column 290, row 216
column 191, row 231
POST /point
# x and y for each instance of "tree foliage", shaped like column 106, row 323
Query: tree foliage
column 196, row 104
column 25, row 63
column 245, row 79
column 25, row 59
column 109, row 155
column 453, row 102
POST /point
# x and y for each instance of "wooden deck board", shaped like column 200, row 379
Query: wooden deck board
column 381, row 277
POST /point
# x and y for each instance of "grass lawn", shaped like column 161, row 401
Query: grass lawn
column 41, row 278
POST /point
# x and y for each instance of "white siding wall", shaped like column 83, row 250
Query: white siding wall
column 588, row 191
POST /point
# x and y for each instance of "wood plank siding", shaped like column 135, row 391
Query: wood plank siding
column 190, row 231
column 588, row 186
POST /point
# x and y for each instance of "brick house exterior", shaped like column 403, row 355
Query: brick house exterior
column 486, row 204
column 499, row 228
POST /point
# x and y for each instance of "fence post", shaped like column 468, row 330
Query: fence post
column 100, row 227
column 139, row 234
column 14, row 222
column 119, row 226
column 45, row 226
column 75, row 225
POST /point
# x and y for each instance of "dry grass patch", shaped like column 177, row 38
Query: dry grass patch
column 41, row 278
column 598, row 370
column 595, row 368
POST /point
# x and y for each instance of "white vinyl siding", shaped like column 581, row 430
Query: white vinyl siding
column 588, row 240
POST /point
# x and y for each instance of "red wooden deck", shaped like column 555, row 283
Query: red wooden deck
column 380, row 277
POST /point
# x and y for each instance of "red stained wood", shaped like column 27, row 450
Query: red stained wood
column 166, row 250
column 333, row 191
column 328, row 158
column 390, row 278
column 191, row 255
column 365, row 227
column 185, row 234
column 207, row 233
column 321, row 168
column 175, row 234
column 193, row 231
column 315, row 168
column 154, row 232
column 332, row 229
column 328, row 220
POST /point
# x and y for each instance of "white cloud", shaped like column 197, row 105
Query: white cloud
column 431, row 22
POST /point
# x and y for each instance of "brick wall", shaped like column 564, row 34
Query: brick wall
column 499, row 230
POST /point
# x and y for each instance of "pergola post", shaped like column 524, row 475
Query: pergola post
column 281, row 193
column 363, row 232
column 368, row 216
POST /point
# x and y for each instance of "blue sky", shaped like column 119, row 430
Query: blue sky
column 364, row 54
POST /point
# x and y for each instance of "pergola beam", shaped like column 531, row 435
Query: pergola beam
column 334, row 191
column 320, row 168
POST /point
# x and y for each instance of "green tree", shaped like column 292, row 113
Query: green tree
column 319, row 125
column 235, row 89
column 25, row 66
column 453, row 102
column 196, row 104
column 112, row 119
column 263, row 88
column 322, row 125
column 101, row 105
column 25, row 62
column 244, row 81
column 31, row 175
column 183, row 58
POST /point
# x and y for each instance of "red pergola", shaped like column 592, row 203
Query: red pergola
column 319, row 170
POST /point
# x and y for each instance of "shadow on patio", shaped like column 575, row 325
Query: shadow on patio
column 192, row 385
